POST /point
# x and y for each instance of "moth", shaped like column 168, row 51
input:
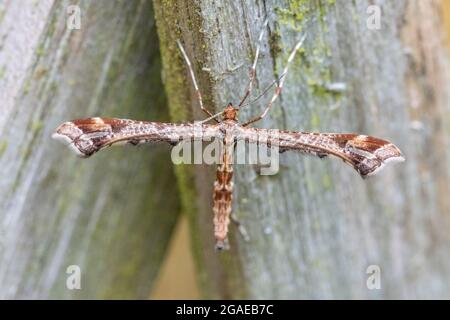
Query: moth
column 366, row 154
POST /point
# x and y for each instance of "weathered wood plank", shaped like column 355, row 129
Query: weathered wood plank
column 113, row 214
column 316, row 226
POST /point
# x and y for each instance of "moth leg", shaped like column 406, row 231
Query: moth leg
column 222, row 245
column 252, row 74
column 191, row 72
column 240, row 227
column 280, row 84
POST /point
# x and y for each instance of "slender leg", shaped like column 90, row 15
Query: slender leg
column 280, row 84
column 253, row 68
column 263, row 92
column 240, row 227
column 191, row 71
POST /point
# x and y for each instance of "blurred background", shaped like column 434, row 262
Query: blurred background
column 127, row 224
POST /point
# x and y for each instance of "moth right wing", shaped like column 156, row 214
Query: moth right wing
column 365, row 154
column 87, row 136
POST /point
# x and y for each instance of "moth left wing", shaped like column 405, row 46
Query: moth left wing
column 87, row 136
column 365, row 154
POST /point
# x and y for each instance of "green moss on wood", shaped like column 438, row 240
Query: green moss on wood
column 3, row 147
column 314, row 56
column 2, row 14
column 2, row 72
column 299, row 12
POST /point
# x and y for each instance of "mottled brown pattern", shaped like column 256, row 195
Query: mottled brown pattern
column 365, row 154
column 223, row 186
column 88, row 136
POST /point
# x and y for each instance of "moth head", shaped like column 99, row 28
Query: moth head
column 230, row 113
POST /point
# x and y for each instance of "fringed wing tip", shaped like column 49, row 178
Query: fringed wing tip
column 68, row 133
column 66, row 140
column 386, row 154
column 383, row 165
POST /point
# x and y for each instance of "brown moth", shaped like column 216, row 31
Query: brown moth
column 366, row 154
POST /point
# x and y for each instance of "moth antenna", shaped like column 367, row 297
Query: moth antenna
column 263, row 93
column 194, row 81
column 280, row 85
column 255, row 61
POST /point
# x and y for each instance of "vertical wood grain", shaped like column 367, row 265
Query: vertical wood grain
column 316, row 226
column 113, row 214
